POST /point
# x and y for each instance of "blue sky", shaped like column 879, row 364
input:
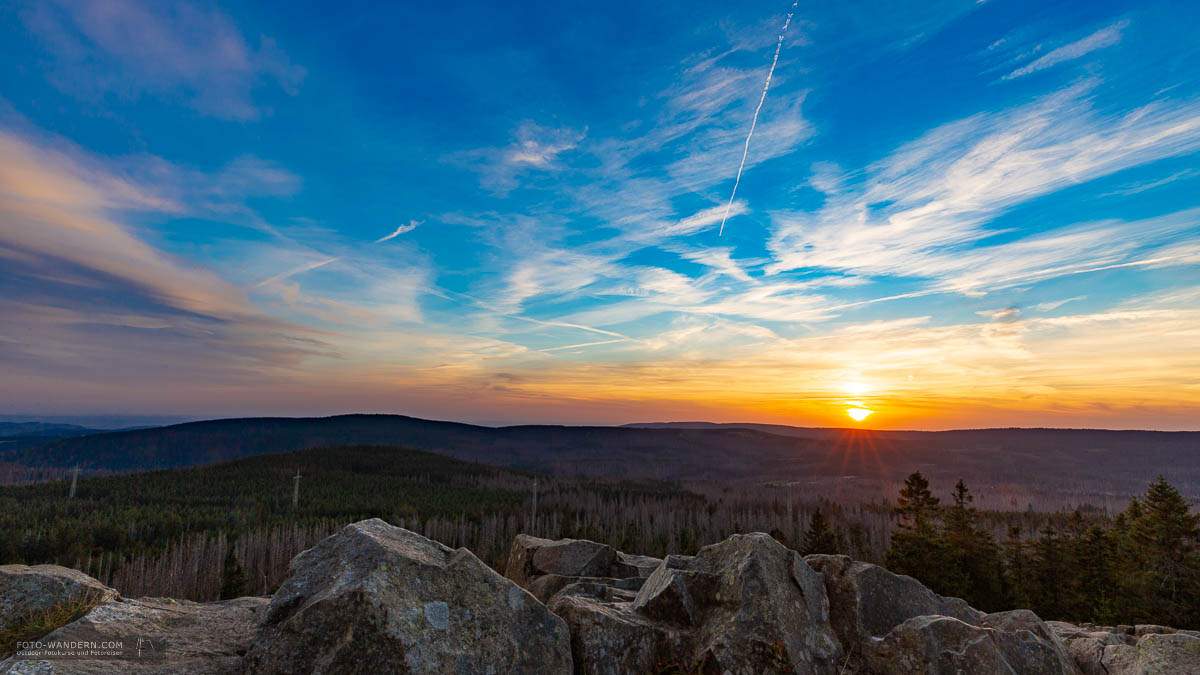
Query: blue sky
column 951, row 214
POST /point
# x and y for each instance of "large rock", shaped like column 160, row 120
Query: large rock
column 1130, row 650
column 377, row 598
column 150, row 636
column 36, row 600
column 867, row 601
column 767, row 612
column 609, row 639
column 1008, row 642
column 1028, row 644
column 933, row 645
column 1120, row 660
column 532, row 557
column 1166, row 653
column 545, row 586
column 1093, row 650
column 519, row 567
column 628, row 565
column 745, row 605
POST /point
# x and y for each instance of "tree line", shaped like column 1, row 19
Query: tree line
column 1141, row 566
column 231, row 528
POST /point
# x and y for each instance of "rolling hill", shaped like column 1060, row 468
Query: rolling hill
column 1116, row 463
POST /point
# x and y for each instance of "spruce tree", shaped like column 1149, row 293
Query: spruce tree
column 916, row 506
column 1017, row 567
column 820, row 538
column 974, row 571
column 917, row 547
column 1096, row 591
column 1165, row 567
column 233, row 578
column 1048, row 576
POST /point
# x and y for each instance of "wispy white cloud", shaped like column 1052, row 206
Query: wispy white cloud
column 97, row 298
column 539, row 146
column 923, row 211
column 1004, row 314
column 719, row 259
column 61, row 204
column 623, row 183
column 403, row 229
column 128, row 47
column 253, row 176
column 1052, row 305
column 655, row 231
column 1105, row 37
column 1145, row 186
column 534, row 148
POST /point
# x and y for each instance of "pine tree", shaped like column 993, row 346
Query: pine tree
column 916, row 506
column 233, row 578
column 917, row 547
column 820, row 538
column 1016, row 566
column 1048, row 576
column 856, row 541
column 1096, row 588
column 974, row 572
column 1165, row 566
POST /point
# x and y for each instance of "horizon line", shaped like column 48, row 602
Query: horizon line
column 189, row 419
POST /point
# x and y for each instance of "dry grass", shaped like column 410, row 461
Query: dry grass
column 38, row 624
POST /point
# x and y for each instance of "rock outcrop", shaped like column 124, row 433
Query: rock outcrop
column 150, row 635
column 47, row 596
column 867, row 601
column 891, row 623
column 1010, row 642
column 378, row 598
column 1028, row 644
column 1130, row 650
column 745, row 605
column 532, row 557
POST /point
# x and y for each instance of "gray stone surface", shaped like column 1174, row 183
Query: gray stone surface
column 46, row 591
column 867, row 601
column 1166, row 654
column 376, row 598
column 157, row 636
column 745, row 605
column 1028, row 644
column 936, row 645
column 1130, row 650
column 609, row 639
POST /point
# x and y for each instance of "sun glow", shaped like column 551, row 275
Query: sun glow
column 855, row 387
column 859, row 414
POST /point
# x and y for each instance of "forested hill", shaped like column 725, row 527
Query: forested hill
column 610, row 451
column 1040, row 460
column 11, row 429
column 16, row 437
column 166, row 532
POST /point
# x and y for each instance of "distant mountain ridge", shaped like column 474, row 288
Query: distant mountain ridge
column 10, row 429
column 1086, row 460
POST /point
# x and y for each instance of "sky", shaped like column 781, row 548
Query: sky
column 951, row 213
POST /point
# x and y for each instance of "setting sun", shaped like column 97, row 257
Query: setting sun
column 859, row 414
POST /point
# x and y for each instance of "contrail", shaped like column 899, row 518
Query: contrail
column 298, row 270
column 754, row 120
